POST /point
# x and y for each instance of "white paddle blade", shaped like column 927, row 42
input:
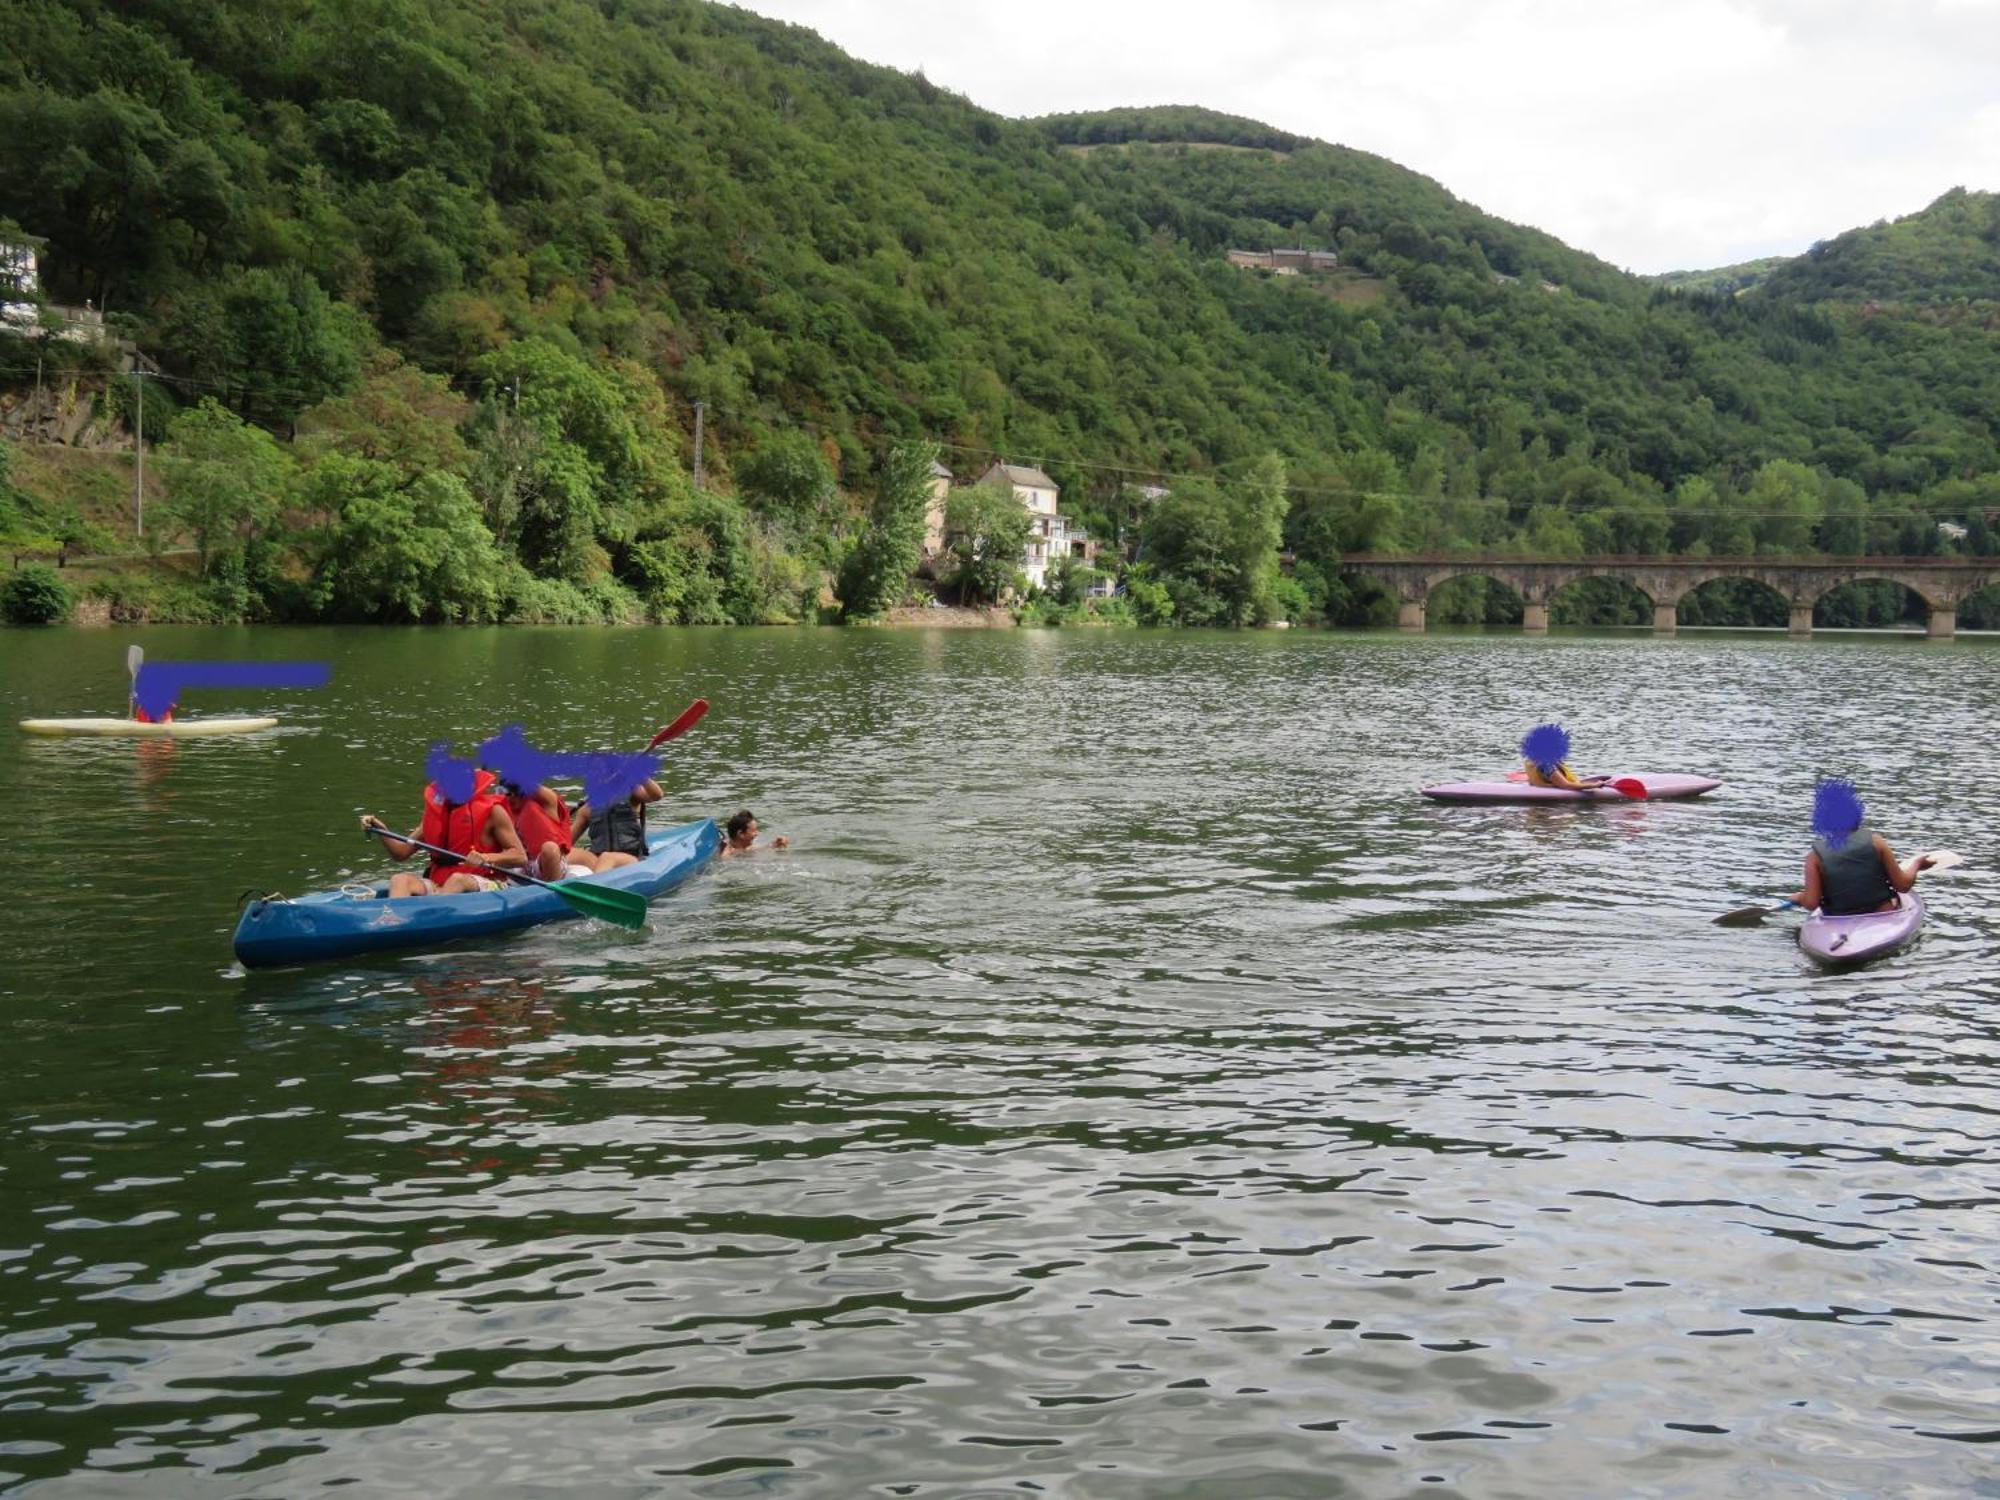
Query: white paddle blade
column 1944, row 859
column 135, row 657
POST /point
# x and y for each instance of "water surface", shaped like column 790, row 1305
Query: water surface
column 1126, row 1087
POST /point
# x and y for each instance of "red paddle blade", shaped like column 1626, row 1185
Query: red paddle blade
column 1631, row 786
column 690, row 716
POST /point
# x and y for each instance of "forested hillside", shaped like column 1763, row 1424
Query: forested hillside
column 450, row 279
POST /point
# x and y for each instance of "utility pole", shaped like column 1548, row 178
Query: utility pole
column 699, row 406
column 139, row 451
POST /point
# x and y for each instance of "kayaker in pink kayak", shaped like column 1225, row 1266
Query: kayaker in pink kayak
column 1545, row 756
column 1850, row 869
column 740, row 835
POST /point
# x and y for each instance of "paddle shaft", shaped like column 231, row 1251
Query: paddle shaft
column 460, row 859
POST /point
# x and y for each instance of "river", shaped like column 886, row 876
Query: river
column 1127, row 1086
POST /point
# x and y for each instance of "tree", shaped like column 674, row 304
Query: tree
column 397, row 414
column 414, row 553
column 1216, row 549
column 985, row 533
column 877, row 572
column 225, row 479
column 788, row 479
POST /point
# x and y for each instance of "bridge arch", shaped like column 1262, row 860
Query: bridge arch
column 1851, row 603
column 1602, row 598
column 1929, row 592
column 1702, row 603
column 1473, row 596
column 1980, row 609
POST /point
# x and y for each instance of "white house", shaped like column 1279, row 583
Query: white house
column 1052, row 534
column 21, row 301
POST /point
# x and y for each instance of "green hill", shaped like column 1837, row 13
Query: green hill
column 582, row 219
column 1948, row 252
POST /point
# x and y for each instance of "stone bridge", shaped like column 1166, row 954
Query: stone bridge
column 1942, row 583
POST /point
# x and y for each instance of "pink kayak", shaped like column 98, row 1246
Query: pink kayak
column 1662, row 788
column 1866, row 935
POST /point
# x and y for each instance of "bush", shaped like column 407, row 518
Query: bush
column 34, row 596
column 528, row 600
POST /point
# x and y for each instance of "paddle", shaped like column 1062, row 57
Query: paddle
column 626, row 908
column 690, row 716
column 135, row 658
column 1753, row 916
column 1629, row 786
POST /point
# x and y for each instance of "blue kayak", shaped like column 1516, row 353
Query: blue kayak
column 344, row 923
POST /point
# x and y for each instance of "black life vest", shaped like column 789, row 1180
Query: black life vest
column 1851, row 877
column 617, row 829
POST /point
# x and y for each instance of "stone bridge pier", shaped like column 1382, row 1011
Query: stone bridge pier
column 1942, row 583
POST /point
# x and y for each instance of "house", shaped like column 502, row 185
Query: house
column 1052, row 535
column 934, row 503
column 1285, row 262
column 22, row 308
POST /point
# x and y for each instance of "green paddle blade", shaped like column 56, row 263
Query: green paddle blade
column 607, row 904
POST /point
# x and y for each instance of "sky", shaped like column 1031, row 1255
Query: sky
column 1658, row 134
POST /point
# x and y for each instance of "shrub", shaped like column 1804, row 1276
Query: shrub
column 528, row 600
column 34, row 596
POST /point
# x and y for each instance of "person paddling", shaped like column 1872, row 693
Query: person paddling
column 617, row 831
column 1851, row 870
column 463, row 812
column 1545, row 757
column 542, row 819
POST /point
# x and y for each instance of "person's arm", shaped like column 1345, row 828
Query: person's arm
column 647, row 791
column 1566, row 778
column 506, row 850
column 1808, row 896
column 578, row 821
column 399, row 849
column 1902, row 877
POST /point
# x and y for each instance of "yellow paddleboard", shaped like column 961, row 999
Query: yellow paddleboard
column 180, row 729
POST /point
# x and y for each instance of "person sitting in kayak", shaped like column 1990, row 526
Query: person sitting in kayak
column 542, row 819
column 1851, row 870
column 1545, row 756
column 465, row 814
column 740, row 835
column 616, row 833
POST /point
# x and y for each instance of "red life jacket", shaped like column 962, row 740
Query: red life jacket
column 537, row 827
column 143, row 717
column 457, row 826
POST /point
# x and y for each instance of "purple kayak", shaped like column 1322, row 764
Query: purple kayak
column 1658, row 788
column 1869, row 934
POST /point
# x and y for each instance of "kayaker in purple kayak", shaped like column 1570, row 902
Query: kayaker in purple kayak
column 1545, row 756
column 1850, row 869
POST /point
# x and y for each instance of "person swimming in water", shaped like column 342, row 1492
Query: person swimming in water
column 1849, row 869
column 1545, row 756
column 740, row 835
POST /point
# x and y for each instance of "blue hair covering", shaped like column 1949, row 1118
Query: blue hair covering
column 1547, row 745
column 1837, row 810
column 455, row 779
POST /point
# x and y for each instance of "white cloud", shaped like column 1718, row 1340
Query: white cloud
column 1656, row 136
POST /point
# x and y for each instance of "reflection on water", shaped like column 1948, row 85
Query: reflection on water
column 1127, row 1087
